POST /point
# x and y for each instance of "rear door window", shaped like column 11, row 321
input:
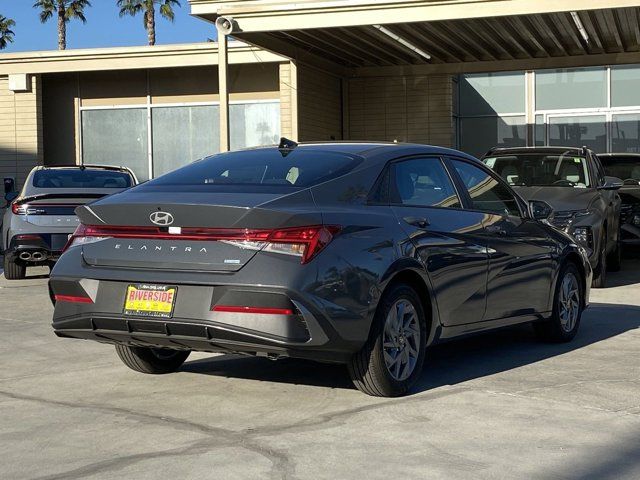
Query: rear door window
column 487, row 194
column 423, row 182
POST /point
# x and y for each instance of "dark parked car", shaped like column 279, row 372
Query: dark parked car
column 40, row 219
column 627, row 167
column 585, row 202
column 357, row 253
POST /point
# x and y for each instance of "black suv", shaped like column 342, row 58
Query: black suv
column 627, row 167
column 572, row 181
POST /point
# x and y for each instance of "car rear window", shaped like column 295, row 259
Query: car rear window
column 298, row 168
column 85, row 178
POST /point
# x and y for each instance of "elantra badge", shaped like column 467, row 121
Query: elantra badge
column 163, row 219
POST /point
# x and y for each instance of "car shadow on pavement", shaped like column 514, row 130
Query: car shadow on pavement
column 448, row 363
column 629, row 274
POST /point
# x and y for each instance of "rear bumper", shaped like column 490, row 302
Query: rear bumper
column 47, row 244
column 307, row 333
column 203, row 336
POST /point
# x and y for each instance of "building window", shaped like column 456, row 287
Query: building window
column 479, row 134
column 492, row 94
column 117, row 137
column 177, row 134
column 584, row 130
column 624, row 86
column 625, row 133
column 182, row 135
column 491, row 112
column 578, row 88
column 254, row 124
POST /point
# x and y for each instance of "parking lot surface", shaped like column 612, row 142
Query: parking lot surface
column 500, row 405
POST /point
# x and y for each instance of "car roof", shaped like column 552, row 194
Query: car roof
column 619, row 155
column 528, row 150
column 371, row 150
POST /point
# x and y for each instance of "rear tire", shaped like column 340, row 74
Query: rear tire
column 568, row 304
column 391, row 361
column 154, row 361
column 13, row 270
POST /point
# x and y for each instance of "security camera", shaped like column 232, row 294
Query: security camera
column 225, row 25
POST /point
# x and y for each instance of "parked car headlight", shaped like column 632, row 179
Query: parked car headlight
column 565, row 218
column 583, row 236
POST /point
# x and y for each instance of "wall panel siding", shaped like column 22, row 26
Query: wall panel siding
column 287, row 99
column 21, row 130
column 319, row 105
column 403, row 108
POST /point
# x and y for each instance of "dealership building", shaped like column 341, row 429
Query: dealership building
column 470, row 74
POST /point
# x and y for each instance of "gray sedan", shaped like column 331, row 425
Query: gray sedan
column 39, row 220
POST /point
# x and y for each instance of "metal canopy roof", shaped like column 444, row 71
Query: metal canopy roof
column 344, row 36
column 476, row 39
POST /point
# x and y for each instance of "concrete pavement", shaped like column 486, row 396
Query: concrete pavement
column 495, row 406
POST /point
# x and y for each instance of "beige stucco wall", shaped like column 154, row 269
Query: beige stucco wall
column 401, row 108
column 20, row 130
column 64, row 93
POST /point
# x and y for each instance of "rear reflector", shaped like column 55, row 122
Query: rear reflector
column 72, row 299
column 304, row 242
column 28, row 237
column 262, row 310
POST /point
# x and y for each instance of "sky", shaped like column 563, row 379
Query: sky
column 104, row 27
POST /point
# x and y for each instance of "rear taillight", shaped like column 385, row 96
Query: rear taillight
column 43, row 208
column 304, row 242
column 18, row 209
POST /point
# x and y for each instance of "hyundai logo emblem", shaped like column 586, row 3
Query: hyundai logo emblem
column 164, row 219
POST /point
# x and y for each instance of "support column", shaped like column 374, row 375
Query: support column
column 223, row 90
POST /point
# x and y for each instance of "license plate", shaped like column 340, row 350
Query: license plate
column 150, row 300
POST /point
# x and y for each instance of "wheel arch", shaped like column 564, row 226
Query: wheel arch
column 412, row 274
column 574, row 257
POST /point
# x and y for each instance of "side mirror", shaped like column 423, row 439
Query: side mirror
column 611, row 183
column 10, row 196
column 539, row 210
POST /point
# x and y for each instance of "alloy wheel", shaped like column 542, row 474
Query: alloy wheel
column 401, row 340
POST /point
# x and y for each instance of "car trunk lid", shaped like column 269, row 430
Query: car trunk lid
column 205, row 231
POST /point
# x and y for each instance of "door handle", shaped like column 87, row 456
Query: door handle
column 419, row 222
column 496, row 229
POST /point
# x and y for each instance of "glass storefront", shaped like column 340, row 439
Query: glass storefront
column 491, row 111
column 597, row 107
column 155, row 139
column 117, row 137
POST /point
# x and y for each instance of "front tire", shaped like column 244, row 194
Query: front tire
column 154, row 361
column 13, row 270
column 391, row 361
column 600, row 277
column 614, row 262
column 568, row 304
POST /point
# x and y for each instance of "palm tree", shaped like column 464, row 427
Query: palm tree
column 148, row 7
column 65, row 11
column 6, row 34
